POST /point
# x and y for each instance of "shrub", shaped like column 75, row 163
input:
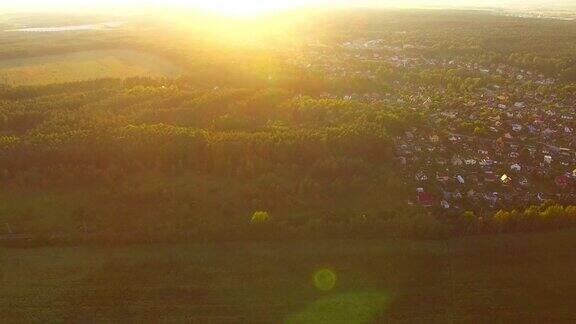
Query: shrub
column 260, row 217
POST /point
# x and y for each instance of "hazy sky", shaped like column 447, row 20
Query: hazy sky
column 264, row 5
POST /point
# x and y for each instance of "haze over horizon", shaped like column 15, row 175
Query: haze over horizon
column 266, row 6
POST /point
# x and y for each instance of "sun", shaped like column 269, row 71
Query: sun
column 244, row 7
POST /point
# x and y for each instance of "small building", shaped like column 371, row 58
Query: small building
column 421, row 176
column 425, row 199
column 457, row 161
column 445, row 204
column 561, row 181
column 442, row 177
column 490, row 176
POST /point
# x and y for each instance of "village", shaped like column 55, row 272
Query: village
column 501, row 145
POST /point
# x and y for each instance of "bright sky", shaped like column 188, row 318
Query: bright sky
column 247, row 7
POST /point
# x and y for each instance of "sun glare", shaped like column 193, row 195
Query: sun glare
column 243, row 7
column 224, row 7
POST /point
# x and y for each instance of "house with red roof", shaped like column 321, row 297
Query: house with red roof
column 425, row 199
column 561, row 181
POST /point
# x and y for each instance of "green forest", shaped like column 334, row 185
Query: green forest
column 158, row 155
column 308, row 134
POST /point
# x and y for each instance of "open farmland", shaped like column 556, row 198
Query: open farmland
column 523, row 278
column 84, row 65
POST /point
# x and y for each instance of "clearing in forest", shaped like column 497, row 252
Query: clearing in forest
column 84, row 65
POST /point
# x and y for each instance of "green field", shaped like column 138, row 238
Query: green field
column 524, row 278
column 84, row 65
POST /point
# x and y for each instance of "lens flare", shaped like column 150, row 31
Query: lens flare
column 349, row 308
column 325, row 279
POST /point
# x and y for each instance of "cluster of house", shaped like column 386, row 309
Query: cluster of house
column 344, row 63
column 501, row 146
column 452, row 171
column 379, row 45
column 407, row 56
column 522, row 151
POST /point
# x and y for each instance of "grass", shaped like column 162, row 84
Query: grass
column 84, row 65
column 521, row 278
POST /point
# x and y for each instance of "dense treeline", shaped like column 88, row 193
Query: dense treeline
column 200, row 129
column 548, row 215
column 138, row 155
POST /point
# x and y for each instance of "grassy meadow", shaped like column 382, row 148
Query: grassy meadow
column 524, row 278
column 84, row 65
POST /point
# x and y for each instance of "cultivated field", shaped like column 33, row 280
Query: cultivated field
column 523, row 278
column 84, row 65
